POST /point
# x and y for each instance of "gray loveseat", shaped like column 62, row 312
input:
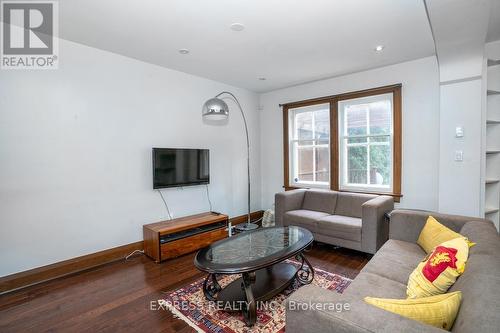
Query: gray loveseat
column 346, row 219
column 386, row 275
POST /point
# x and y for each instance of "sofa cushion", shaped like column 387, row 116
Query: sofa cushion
column 339, row 226
column 395, row 260
column 375, row 285
column 320, row 201
column 485, row 236
column 483, row 257
column 349, row 204
column 303, row 218
column 440, row 270
column 481, row 298
column 480, row 280
column 439, row 311
column 434, row 234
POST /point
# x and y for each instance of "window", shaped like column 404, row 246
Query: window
column 347, row 142
column 366, row 136
column 310, row 145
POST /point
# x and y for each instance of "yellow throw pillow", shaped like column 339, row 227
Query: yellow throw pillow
column 439, row 311
column 439, row 270
column 434, row 233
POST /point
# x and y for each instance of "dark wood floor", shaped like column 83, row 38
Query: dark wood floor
column 117, row 297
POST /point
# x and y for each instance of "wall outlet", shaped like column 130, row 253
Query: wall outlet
column 459, row 155
column 459, row 132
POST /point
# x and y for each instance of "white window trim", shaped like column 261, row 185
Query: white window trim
column 315, row 143
column 343, row 185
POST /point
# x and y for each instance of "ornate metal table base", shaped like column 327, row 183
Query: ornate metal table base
column 305, row 275
column 211, row 287
column 259, row 256
column 257, row 286
column 250, row 306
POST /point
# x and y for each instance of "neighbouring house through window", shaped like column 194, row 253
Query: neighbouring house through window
column 310, row 145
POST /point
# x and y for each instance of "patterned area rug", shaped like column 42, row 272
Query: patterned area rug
column 189, row 304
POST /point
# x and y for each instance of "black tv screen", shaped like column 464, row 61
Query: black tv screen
column 174, row 167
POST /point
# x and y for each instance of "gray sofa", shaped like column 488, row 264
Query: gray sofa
column 386, row 276
column 346, row 219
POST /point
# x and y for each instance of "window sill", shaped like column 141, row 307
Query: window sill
column 397, row 196
column 306, row 186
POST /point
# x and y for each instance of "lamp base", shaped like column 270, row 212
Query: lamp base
column 246, row 227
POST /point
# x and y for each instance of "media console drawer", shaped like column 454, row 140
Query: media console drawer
column 190, row 244
column 172, row 238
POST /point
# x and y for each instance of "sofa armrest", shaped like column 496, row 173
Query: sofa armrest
column 407, row 224
column 314, row 309
column 374, row 227
column 286, row 201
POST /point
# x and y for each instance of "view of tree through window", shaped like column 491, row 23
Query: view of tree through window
column 346, row 142
column 366, row 141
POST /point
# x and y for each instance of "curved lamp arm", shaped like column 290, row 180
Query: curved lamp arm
column 248, row 144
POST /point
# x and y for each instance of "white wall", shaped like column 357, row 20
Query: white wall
column 75, row 154
column 459, row 46
column 420, row 79
column 460, row 181
column 461, row 100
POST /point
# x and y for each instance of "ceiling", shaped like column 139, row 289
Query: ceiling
column 287, row 42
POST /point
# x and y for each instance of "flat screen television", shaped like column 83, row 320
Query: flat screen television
column 173, row 167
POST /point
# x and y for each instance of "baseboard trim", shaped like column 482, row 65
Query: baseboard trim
column 243, row 218
column 62, row 268
column 41, row 274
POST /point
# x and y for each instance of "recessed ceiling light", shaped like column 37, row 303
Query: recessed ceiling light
column 379, row 48
column 262, row 79
column 183, row 51
column 237, row 27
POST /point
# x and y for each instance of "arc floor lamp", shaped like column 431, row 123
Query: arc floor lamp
column 216, row 109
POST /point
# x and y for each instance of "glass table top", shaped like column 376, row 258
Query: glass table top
column 255, row 246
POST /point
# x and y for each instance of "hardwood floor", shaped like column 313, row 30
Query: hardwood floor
column 117, row 297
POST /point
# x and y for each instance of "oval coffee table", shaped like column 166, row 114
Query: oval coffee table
column 259, row 256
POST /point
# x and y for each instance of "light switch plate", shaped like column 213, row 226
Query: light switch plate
column 459, row 155
column 459, row 132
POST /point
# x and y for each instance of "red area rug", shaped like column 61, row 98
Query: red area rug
column 189, row 304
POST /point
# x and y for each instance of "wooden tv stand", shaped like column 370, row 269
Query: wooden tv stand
column 172, row 238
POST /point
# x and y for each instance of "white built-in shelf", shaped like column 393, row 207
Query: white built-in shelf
column 492, row 62
column 492, row 195
column 490, row 210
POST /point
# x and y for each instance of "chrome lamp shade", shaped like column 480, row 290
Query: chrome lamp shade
column 215, row 109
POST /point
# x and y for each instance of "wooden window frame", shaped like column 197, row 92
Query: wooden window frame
column 334, row 137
